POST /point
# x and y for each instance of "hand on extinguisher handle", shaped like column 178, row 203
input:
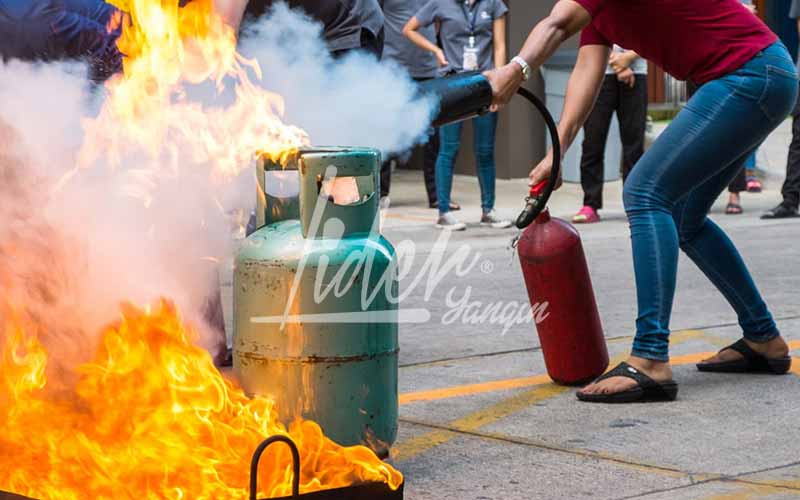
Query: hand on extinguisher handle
column 540, row 193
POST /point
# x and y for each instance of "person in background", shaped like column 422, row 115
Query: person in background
column 49, row 30
column 737, row 186
column 421, row 65
column 751, row 183
column 370, row 13
column 348, row 25
column 746, row 180
column 749, row 84
column 791, row 186
column 473, row 35
column 624, row 91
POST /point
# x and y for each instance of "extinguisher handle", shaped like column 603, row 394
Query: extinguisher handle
column 538, row 189
column 540, row 193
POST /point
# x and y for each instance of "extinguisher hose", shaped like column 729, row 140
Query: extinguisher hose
column 540, row 194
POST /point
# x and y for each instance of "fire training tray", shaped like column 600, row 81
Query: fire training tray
column 366, row 491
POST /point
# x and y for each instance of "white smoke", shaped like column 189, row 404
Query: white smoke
column 72, row 248
column 356, row 101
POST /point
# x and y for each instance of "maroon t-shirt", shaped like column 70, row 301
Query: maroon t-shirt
column 697, row 40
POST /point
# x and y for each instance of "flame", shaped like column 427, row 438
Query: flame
column 151, row 418
column 169, row 49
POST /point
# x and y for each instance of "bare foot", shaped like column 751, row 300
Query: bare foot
column 774, row 349
column 657, row 370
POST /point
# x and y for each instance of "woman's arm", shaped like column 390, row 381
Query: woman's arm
column 411, row 31
column 499, row 42
column 567, row 18
column 582, row 89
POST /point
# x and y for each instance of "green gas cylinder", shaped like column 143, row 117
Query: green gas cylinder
column 315, row 298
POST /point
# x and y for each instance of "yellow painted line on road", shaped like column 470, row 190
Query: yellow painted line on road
column 747, row 490
column 515, row 383
column 467, row 390
column 474, row 421
column 542, row 390
column 487, row 415
column 796, row 366
column 415, row 218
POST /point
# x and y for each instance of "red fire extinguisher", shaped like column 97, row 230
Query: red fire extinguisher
column 560, row 290
column 550, row 250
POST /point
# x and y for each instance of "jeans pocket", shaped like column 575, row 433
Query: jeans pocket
column 780, row 93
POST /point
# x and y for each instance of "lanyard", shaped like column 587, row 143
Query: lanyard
column 472, row 22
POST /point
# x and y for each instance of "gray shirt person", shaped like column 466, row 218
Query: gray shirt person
column 420, row 63
column 342, row 19
column 371, row 15
column 461, row 45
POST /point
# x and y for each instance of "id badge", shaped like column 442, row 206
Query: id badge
column 470, row 58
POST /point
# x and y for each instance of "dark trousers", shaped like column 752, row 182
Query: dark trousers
column 630, row 104
column 430, row 152
column 739, row 184
column 791, row 186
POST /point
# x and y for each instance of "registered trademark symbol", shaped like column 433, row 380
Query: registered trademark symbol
column 487, row 267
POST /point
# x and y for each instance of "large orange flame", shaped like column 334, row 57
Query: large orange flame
column 147, row 109
column 151, row 418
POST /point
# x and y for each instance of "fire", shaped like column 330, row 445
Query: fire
column 150, row 417
column 170, row 53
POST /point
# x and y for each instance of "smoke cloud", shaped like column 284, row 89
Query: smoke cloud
column 356, row 101
column 75, row 242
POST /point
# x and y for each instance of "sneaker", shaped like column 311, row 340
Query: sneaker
column 586, row 215
column 781, row 212
column 754, row 185
column 385, row 202
column 449, row 222
column 491, row 219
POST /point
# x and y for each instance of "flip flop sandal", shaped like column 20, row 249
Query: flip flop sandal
column 754, row 185
column 648, row 390
column 733, row 209
column 751, row 362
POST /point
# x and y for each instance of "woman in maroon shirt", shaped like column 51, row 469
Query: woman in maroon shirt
column 748, row 86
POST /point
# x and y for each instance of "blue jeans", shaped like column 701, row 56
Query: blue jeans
column 672, row 188
column 750, row 161
column 484, row 128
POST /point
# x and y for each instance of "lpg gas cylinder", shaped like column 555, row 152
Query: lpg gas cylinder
column 315, row 309
column 560, row 291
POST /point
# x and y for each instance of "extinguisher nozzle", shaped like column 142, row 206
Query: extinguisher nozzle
column 529, row 213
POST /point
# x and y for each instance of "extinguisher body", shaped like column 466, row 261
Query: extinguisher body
column 561, row 293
